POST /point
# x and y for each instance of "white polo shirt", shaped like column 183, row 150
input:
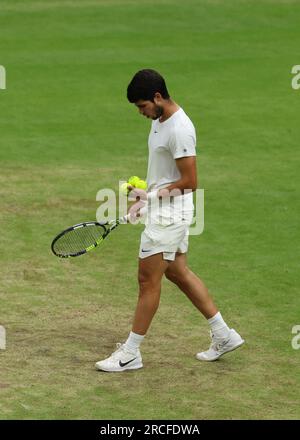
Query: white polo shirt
column 168, row 141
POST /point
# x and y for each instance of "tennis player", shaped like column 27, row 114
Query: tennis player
column 171, row 179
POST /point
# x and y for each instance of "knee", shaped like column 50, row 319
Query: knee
column 147, row 282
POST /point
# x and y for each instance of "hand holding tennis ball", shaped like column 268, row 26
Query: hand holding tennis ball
column 133, row 182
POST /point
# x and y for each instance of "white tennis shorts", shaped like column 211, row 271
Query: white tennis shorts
column 166, row 238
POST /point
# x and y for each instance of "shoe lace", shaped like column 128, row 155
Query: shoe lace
column 217, row 344
column 120, row 347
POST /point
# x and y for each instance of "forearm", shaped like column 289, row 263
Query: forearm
column 181, row 186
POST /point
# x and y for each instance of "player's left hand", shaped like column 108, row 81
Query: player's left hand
column 136, row 194
column 138, row 210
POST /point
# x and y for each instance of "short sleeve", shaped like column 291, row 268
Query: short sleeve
column 182, row 142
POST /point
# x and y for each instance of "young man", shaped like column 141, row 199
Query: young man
column 164, row 241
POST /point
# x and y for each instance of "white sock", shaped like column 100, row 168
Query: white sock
column 134, row 341
column 218, row 326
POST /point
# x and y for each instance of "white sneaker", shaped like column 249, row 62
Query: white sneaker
column 218, row 347
column 122, row 359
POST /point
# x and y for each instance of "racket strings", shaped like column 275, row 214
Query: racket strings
column 68, row 244
column 77, row 240
column 95, row 234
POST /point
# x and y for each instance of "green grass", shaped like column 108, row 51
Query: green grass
column 67, row 131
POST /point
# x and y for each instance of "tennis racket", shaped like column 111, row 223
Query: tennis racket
column 82, row 238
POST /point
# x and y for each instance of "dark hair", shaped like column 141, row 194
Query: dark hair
column 145, row 84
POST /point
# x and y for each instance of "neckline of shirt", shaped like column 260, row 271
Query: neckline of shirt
column 170, row 117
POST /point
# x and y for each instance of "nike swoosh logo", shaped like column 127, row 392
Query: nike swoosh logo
column 122, row 364
column 222, row 344
column 146, row 250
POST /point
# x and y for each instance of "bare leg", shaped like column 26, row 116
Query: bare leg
column 151, row 270
column 191, row 285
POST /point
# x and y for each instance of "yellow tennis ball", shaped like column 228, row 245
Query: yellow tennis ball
column 141, row 184
column 133, row 180
column 124, row 188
